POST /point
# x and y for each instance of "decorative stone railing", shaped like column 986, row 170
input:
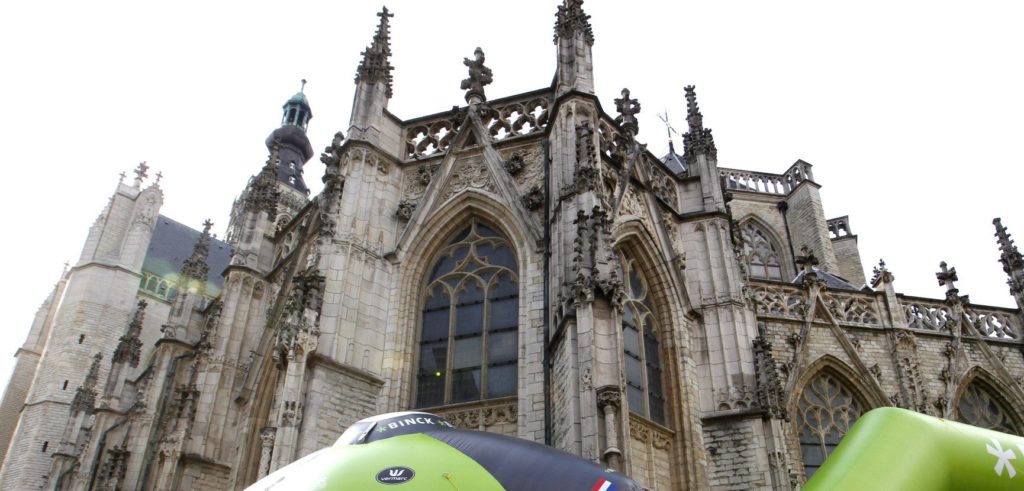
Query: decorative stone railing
column 764, row 182
column 779, row 300
column 866, row 309
column 926, row 314
column 994, row 323
column 504, row 118
column 497, row 415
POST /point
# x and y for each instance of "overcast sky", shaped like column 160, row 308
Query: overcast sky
column 910, row 112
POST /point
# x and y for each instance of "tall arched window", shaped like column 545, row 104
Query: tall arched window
column 978, row 407
column 827, row 409
column 759, row 251
column 469, row 328
column 640, row 345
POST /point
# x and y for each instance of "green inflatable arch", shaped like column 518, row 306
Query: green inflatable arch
column 895, row 449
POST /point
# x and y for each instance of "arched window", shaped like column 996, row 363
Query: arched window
column 759, row 251
column 640, row 346
column 469, row 329
column 826, row 411
column 978, row 407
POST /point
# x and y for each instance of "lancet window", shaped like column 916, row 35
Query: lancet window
column 644, row 388
column 470, row 321
column 760, row 253
column 826, row 411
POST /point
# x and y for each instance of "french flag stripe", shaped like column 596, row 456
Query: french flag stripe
column 603, row 485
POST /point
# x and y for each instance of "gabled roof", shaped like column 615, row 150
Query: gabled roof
column 172, row 244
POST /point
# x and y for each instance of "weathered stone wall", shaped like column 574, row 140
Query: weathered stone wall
column 735, row 455
column 337, row 397
column 848, row 259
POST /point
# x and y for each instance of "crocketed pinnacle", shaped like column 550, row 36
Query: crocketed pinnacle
column 697, row 140
column 195, row 267
column 129, row 346
column 1010, row 256
column 571, row 19
column 376, row 64
column 263, row 194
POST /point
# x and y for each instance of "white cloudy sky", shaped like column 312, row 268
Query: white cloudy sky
column 910, row 111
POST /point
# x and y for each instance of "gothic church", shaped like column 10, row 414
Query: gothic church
column 520, row 265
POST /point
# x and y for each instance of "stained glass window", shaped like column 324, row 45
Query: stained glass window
column 978, row 407
column 827, row 410
column 640, row 346
column 469, row 335
column 760, row 253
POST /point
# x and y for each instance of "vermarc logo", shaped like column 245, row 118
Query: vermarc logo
column 395, row 475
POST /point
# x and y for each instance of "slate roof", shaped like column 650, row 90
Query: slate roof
column 674, row 161
column 172, row 244
column 832, row 281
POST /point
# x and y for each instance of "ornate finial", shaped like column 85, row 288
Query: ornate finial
column 627, row 108
column 207, row 225
column 807, row 260
column 697, row 140
column 570, row 20
column 121, row 176
column 376, row 64
column 140, row 173
column 159, row 175
column 947, row 276
column 479, row 76
column 129, row 346
column 303, row 87
column 881, row 274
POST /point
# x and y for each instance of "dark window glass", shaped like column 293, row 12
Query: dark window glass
column 469, row 346
column 978, row 407
column 641, row 349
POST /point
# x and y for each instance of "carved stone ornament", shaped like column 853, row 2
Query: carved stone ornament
column 534, row 199
column 628, row 109
column 571, row 19
column 405, row 209
column 129, row 346
column 698, row 140
column 514, row 164
column 609, row 395
column 479, row 76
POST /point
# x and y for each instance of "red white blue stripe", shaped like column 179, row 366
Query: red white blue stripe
column 603, row 485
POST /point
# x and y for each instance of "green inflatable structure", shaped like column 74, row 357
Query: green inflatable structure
column 899, row 450
column 415, row 451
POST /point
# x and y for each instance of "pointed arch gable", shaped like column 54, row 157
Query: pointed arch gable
column 775, row 242
column 977, row 385
column 633, row 236
column 870, row 395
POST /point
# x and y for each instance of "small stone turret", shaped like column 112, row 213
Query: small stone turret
column 574, row 38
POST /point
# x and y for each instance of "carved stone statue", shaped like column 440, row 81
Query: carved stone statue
column 479, row 76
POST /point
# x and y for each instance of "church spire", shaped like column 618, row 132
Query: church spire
column 376, row 64
column 1013, row 262
column 697, row 140
column 296, row 110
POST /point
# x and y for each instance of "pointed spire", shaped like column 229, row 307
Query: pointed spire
column 85, row 395
column 697, row 140
column 195, row 269
column 129, row 347
column 376, row 64
column 571, row 20
column 1013, row 262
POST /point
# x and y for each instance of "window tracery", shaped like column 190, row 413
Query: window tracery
column 641, row 349
column 470, row 319
column 760, row 253
column 826, row 411
column 978, row 407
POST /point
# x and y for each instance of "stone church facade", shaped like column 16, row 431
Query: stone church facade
column 520, row 265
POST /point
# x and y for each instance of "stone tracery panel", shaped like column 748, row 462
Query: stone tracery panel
column 826, row 410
